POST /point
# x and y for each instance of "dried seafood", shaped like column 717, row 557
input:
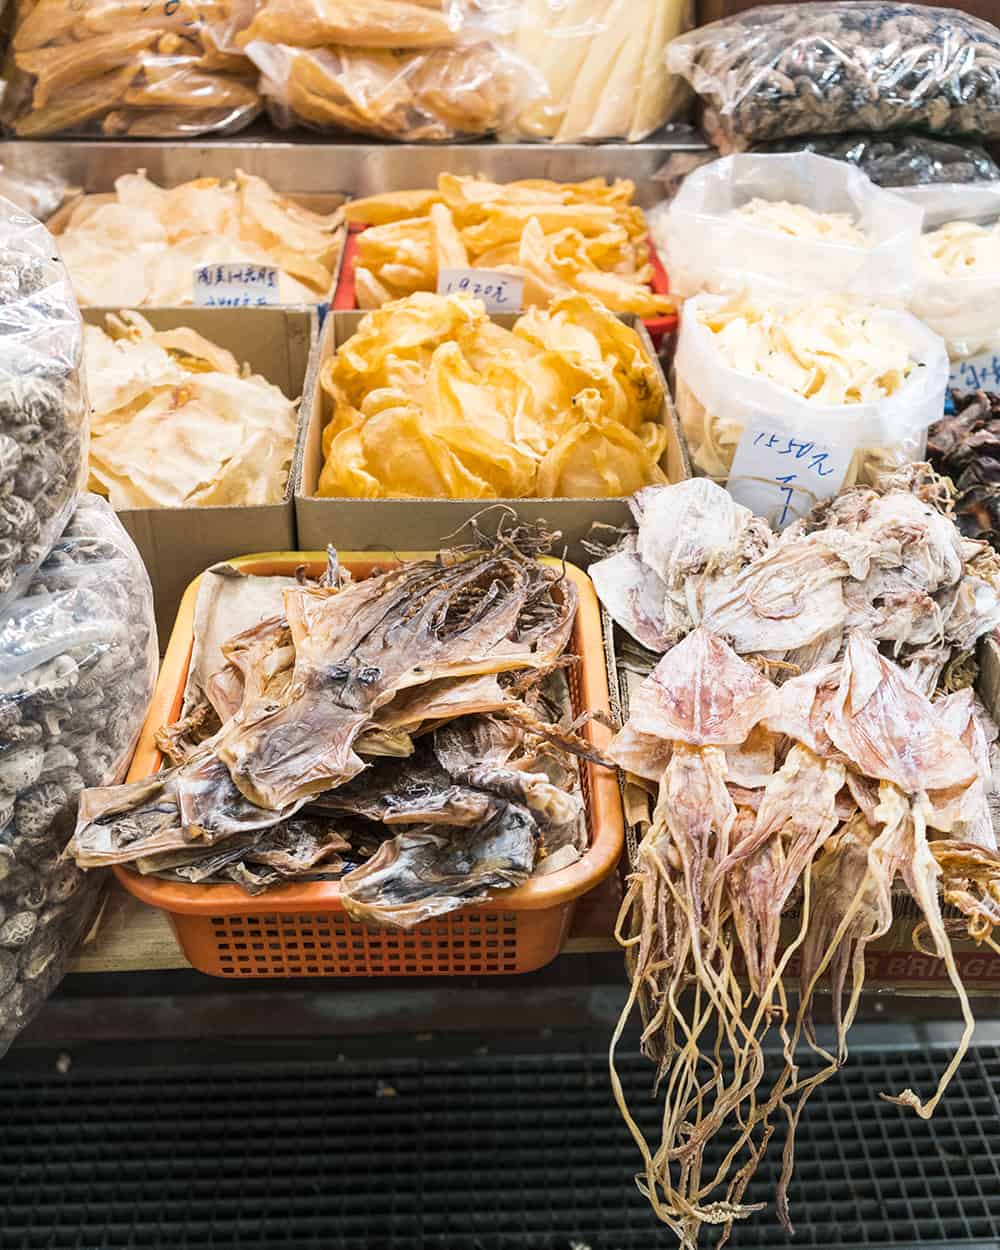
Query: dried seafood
column 887, row 560
column 433, row 399
column 559, row 237
column 141, row 244
column 127, row 69
column 175, row 421
column 965, row 445
column 827, row 792
column 409, row 734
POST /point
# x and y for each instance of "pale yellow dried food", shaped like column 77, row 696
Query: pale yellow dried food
column 140, row 245
column 431, row 399
column 353, row 23
column 177, row 423
column 560, row 238
column 127, row 67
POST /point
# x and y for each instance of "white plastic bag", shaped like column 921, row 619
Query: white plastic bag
column 78, row 660
column 965, row 309
column 779, row 452
column 706, row 246
column 43, row 405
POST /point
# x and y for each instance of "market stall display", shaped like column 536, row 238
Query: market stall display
column 795, row 224
column 408, row 734
column 853, row 386
column 832, row 66
column 176, row 421
column 848, row 754
column 602, row 66
column 127, row 68
column 78, row 660
column 141, row 245
column 43, row 414
column 397, row 69
column 431, row 398
column 557, row 237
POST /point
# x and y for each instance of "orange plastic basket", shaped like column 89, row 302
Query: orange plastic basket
column 302, row 929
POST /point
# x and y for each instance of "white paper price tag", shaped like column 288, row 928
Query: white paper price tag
column 236, row 286
column 781, row 476
column 500, row 292
column 978, row 373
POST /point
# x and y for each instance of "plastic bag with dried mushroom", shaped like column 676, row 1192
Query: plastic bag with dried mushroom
column 787, row 224
column 78, row 660
column 43, row 407
column 128, row 69
column 602, row 65
column 826, row 68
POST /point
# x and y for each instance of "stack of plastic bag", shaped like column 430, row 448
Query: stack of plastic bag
column 128, row 69
column 412, row 70
column 77, row 640
column 602, row 68
column 78, row 659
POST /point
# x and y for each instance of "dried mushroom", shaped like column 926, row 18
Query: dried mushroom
column 965, row 445
column 43, row 418
column 78, row 658
column 826, row 68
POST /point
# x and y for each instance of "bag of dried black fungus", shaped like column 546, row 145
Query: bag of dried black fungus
column 78, row 659
column 845, row 65
column 43, row 407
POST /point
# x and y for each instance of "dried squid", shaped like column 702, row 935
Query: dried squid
column 409, row 734
column 827, row 792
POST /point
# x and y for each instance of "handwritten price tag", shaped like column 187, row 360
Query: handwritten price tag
column 781, row 476
column 500, row 292
column 236, row 286
column 978, row 373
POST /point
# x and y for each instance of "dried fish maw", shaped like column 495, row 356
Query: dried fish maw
column 703, row 694
column 357, row 23
column 76, row 105
column 61, row 66
column 378, row 210
column 426, row 873
column 599, row 458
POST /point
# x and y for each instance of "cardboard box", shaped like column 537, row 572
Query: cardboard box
column 179, row 543
column 424, row 524
column 892, row 964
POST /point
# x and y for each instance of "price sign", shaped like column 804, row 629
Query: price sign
column 500, row 292
column 236, row 286
column 977, row 373
column 781, row 476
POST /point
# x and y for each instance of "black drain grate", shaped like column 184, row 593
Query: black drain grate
column 500, row 1153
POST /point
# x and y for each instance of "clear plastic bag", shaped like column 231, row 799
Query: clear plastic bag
column 468, row 90
column 128, row 69
column 602, row 65
column 78, row 660
column 706, row 245
column 43, row 405
column 722, row 409
column 963, row 308
column 900, row 160
column 826, row 68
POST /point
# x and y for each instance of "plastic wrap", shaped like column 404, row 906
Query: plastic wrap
column 128, row 69
column 602, row 65
column 43, row 409
column 707, row 245
column 720, row 408
column 846, row 65
column 900, row 160
column 78, row 660
column 964, row 308
column 441, row 94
